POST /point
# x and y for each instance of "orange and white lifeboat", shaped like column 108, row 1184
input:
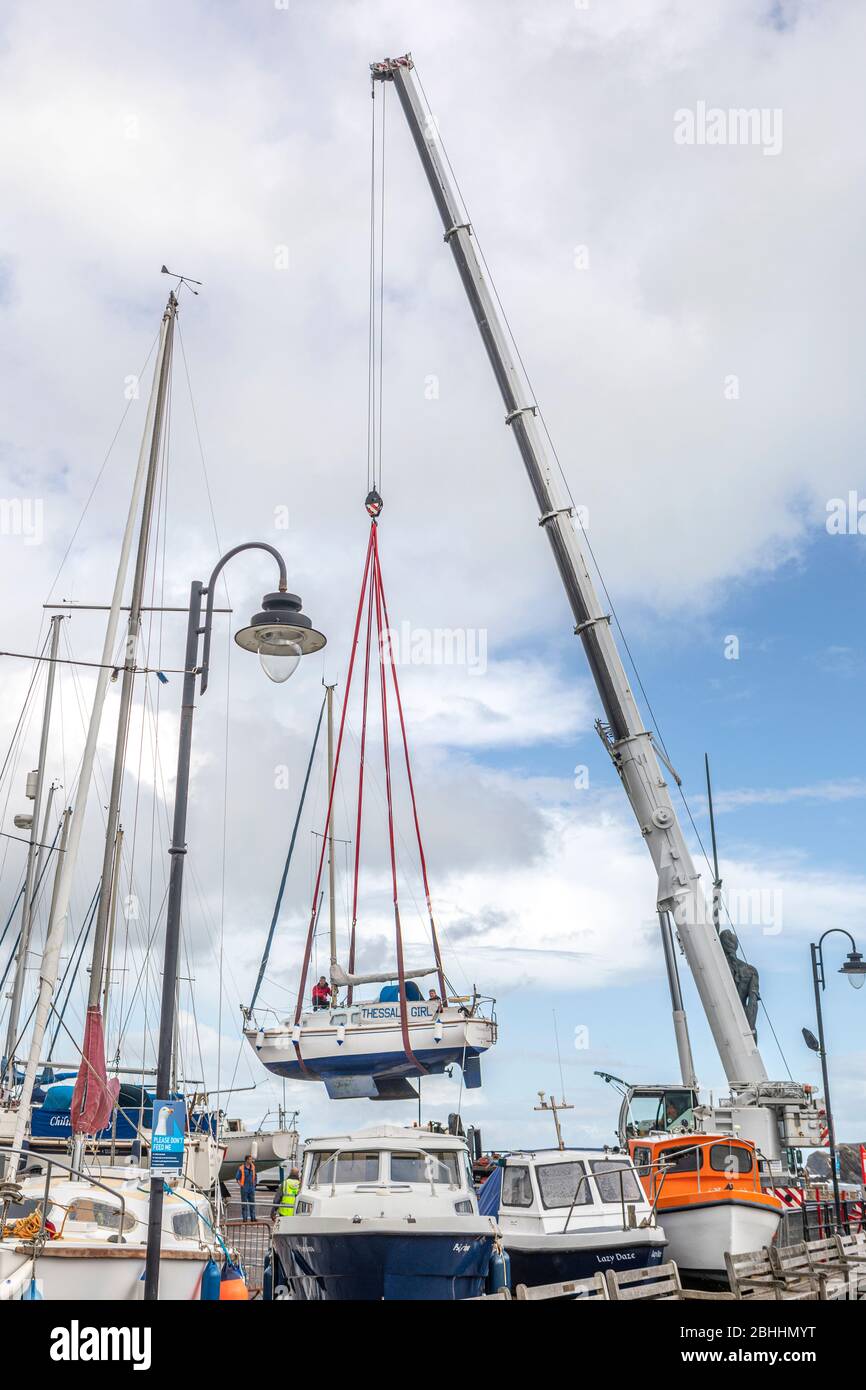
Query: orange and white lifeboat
column 706, row 1189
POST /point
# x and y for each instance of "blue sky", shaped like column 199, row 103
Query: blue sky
column 641, row 277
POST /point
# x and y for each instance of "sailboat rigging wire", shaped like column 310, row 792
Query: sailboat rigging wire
column 80, row 941
column 24, row 706
column 277, row 905
column 103, row 665
column 102, row 468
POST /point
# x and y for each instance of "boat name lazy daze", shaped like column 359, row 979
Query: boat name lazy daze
column 76, row 1343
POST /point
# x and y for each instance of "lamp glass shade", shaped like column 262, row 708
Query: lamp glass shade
column 279, row 656
column 855, row 969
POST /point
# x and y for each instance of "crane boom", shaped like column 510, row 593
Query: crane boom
column 630, row 744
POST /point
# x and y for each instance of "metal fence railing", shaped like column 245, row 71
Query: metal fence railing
column 252, row 1240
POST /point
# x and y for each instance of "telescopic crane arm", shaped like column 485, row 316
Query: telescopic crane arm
column 630, row 745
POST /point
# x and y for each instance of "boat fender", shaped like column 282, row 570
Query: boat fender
column 33, row 1292
column 341, row 1035
column 437, row 1031
column 296, row 1033
column 260, row 1039
column 210, row 1282
column 233, row 1286
column 499, row 1273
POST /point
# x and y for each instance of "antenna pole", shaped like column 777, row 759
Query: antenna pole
column 554, row 1106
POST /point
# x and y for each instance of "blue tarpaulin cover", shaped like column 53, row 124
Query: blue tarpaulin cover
column 490, row 1194
column 389, row 994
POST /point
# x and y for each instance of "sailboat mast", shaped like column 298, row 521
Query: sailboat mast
column 112, row 924
column 332, row 900
column 33, row 853
column 133, row 632
column 67, row 860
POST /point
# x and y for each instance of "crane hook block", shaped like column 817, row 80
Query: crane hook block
column 373, row 503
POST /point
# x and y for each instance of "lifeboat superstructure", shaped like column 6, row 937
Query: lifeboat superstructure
column 705, row 1188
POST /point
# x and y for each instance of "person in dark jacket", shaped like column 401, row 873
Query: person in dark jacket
column 246, row 1180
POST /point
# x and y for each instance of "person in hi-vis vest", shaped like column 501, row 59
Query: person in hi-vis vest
column 284, row 1205
column 246, row 1180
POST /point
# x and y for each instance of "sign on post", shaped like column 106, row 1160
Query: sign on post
column 169, row 1128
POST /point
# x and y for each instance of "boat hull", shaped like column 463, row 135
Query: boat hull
column 269, row 1149
column 372, row 1045
column 554, row 1259
column 700, row 1234
column 330, row 1260
column 93, row 1275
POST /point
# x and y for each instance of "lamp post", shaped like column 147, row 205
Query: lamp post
column 281, row 634
column 855, row 970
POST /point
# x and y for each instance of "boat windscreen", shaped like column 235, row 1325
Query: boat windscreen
column 616, row 1181
column 350, row 1167
column 730, row 1159
column 560, row 1184
column 423, row 1167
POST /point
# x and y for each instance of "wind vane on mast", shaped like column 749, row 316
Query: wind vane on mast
column 182, row 279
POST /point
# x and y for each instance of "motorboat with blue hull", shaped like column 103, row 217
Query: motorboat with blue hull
column 566, row 1214
column 385, row 1213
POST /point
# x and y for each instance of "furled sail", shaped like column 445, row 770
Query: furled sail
column 340, row 977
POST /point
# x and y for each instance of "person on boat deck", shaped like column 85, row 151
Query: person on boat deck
column 245, row 1177
column 433, row 998
column 284, row 1202
column 321, row 994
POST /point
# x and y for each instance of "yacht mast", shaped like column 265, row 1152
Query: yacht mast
column 74, row 820
column 133, row 631
column 34, row 852
column 332, row 901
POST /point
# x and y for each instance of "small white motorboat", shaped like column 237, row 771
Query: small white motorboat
column 85, row 1240
column 566, row 1214
column 385, row 1213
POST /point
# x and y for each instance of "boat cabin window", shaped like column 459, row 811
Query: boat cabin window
column 665, row 1110
column 616, row 1181
column 516, row 1186
column 350, row 1167
column 642, row 1161
column 681, row 1160
column 730, row 1159
column 443, row 1168
column 88, row 1211
column 185, row 1225
column 562, row 1184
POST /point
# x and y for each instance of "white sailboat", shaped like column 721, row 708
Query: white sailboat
column 372, row 1047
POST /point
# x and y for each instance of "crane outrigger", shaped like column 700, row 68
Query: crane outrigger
column 777, row 1116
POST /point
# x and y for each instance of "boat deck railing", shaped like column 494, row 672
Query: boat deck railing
column 620, row 1170
column 8, row 1193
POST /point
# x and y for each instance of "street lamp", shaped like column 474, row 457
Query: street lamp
column 854, row 969
column 281, row 634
